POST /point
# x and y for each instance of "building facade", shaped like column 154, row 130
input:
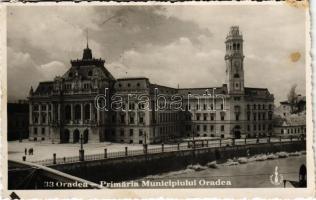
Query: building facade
column 66, row 108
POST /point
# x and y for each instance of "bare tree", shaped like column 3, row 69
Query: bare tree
column 292, row 97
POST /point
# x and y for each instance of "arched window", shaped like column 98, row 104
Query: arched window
column 67, row 112
column 77, row 112
column 87, row 111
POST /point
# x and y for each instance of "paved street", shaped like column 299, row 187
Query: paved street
column 43, row 151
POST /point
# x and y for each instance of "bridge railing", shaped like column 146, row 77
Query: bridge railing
column 188, row 145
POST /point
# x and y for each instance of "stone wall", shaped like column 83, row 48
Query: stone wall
column 119, row 169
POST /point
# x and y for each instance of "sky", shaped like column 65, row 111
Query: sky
column 171, row 45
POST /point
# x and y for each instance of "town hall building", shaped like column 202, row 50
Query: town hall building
column 63, row 110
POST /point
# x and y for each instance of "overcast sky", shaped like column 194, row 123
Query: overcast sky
column 171, row 45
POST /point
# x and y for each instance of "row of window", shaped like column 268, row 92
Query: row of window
column 293, row 130
column 131, row 119
column 234, row 46
column 129, row 85
column 205, row 116
column 259, row 106
column 204, row 106
column 43, row 107
column 204, row 128
column 259, row 116
column 35, row 131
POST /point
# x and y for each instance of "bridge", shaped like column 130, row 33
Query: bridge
column 26, row 175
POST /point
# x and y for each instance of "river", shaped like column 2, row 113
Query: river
column 254, row 174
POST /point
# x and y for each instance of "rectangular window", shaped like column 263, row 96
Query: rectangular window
column 131, row 120
column 197, row 117
column 43, row 131
column 204, row 128
column 212, row 117
column 205, row 117
column 141, row 119
column 35, row 131
column 222, row 127
column 140, row 132
column 131, row 132
column 222, row 117
column 198, row 127
column 204, row 106
column 254, row 127
column 212, row 128
column 248, row 128
column 122, row 118
column 121, row 132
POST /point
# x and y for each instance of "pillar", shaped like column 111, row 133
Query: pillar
column 81, row 107
column 47, row 113
column 54, row 158
column 98, row 116
column 58, row 110
column 72, row 113
column 90, row 111
column 30, row 114
column 39, row 113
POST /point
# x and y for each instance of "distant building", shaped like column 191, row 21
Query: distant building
column 290, row 120
column 285, row 109
column 18, row 120
column 290, row 126
column 64, row 109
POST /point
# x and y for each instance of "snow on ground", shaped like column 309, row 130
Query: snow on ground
column 45, row 150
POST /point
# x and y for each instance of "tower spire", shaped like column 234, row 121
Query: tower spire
column 87, row 53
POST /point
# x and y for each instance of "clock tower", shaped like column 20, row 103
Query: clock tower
column 234, row 61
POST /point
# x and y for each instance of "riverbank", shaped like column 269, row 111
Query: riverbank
column 242, row 172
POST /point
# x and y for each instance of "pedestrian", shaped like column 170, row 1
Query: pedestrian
column 25, row 151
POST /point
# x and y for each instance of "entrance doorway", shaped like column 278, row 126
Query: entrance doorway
column 237, row 133
column 76, row 136
column 64, row 137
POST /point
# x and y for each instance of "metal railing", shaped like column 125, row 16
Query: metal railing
column 189, row 145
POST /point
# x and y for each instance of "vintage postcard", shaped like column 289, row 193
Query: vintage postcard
column 142, row 100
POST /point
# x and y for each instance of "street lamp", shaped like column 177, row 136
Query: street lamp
column 81, row 150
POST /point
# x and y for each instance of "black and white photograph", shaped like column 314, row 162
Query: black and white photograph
column 158, row 96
